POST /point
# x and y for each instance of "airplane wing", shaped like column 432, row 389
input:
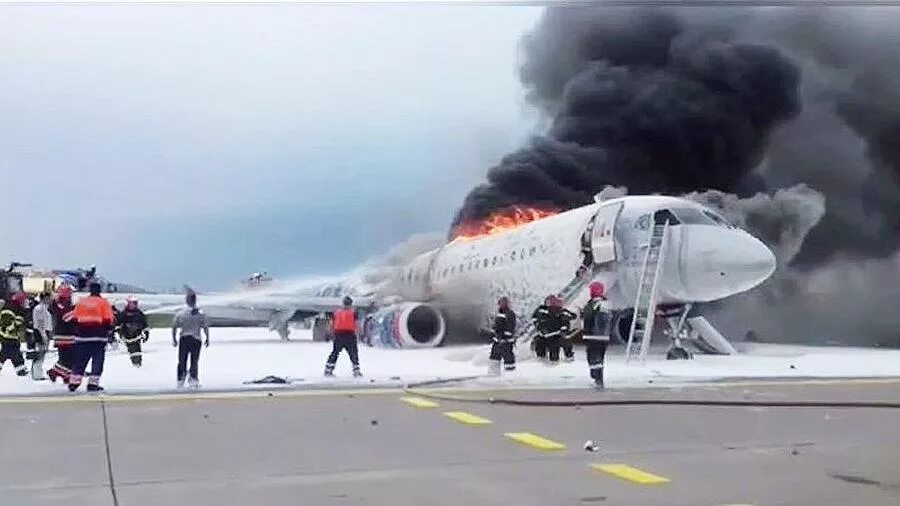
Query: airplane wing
column 261, row 306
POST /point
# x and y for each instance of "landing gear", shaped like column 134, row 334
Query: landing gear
column 676, row 331
column 279, row 323
column 320, row 329
column 678, row 353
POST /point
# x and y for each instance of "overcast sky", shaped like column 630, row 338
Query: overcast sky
column 178, row 143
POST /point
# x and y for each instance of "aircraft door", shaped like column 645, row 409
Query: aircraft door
column 603, row 244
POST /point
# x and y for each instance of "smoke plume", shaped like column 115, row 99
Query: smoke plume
column 787, row 119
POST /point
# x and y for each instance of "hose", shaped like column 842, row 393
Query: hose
column 412, row 389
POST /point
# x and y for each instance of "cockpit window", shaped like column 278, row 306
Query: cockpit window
column 692, row 216
column 718, row 219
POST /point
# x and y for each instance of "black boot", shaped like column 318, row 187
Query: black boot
column 94, row 388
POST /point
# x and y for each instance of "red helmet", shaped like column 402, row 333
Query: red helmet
column 19, row 298
column 64, row 291
column 597, row 289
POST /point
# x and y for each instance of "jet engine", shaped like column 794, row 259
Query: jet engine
column 405, row 325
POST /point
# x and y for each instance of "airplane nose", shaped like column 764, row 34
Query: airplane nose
column 717, row 263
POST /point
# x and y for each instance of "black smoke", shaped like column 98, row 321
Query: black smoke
column 640, row 99
column 763, row 111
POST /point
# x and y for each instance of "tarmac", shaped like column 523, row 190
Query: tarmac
column 389, row 447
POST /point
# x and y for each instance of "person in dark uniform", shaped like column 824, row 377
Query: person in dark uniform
column 564, row 340
column 553, row 323
column 63, row 333
column 343, row 328
column 504, row 338
column 13, row 327
column 597, row 328
column 133, row 330
column 541, row 319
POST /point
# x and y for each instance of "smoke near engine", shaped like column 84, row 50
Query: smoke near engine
column 787, row 119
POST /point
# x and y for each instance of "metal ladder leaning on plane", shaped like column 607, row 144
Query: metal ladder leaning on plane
column 645, row 304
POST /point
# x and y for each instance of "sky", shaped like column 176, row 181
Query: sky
column 172, row 144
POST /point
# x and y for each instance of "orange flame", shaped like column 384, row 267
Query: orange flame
column 500, row 222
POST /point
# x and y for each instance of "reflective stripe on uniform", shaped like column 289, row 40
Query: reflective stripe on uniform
column 594, row 367
column 91, row 339
column 596, row 338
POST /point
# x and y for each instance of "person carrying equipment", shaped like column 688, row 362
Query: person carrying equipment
column 552, row 322
column 504, row 338
column 191, row 320
column 343, row 327
column 133, row 330
column 13, row 327
column 93, row 322
column 597, row 328
column 566, row 334
column 63, row 333
column 42, row 334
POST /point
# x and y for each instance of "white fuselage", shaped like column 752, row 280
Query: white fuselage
column 706, row 259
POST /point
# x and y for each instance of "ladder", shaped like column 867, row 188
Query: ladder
column 645, row 303
column 568, row 294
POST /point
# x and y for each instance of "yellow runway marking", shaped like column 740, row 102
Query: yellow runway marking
column 630, row 473
column 535, row 441
column 419, row 402
column 196, row 396
column 467, row 418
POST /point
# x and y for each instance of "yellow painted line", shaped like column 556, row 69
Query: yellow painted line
column 467, row 418
column 191, row 396
column 535, row 441
column 419, row 402
column 631, row 474
column 65, row 398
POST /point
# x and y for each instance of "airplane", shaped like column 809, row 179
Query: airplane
column 706, row 259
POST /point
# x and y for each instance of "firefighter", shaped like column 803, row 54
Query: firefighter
column 93, row 321
column 504, row 338
column 540, row 319
column 13, row 328
column 133, row 330
column 63, row 334
column 597, row 328
column 343, row 327
column 552, row 322
column 566, row 333
column 42, row 334
column 192, row 321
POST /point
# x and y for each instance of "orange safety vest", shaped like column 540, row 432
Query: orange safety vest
column 344, row 321
column 93, row 311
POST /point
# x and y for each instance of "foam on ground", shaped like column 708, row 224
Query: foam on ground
column 241, row 354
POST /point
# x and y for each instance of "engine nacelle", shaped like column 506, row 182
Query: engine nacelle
column 405, row 325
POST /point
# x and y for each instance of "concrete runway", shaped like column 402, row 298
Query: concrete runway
column 373, row 448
